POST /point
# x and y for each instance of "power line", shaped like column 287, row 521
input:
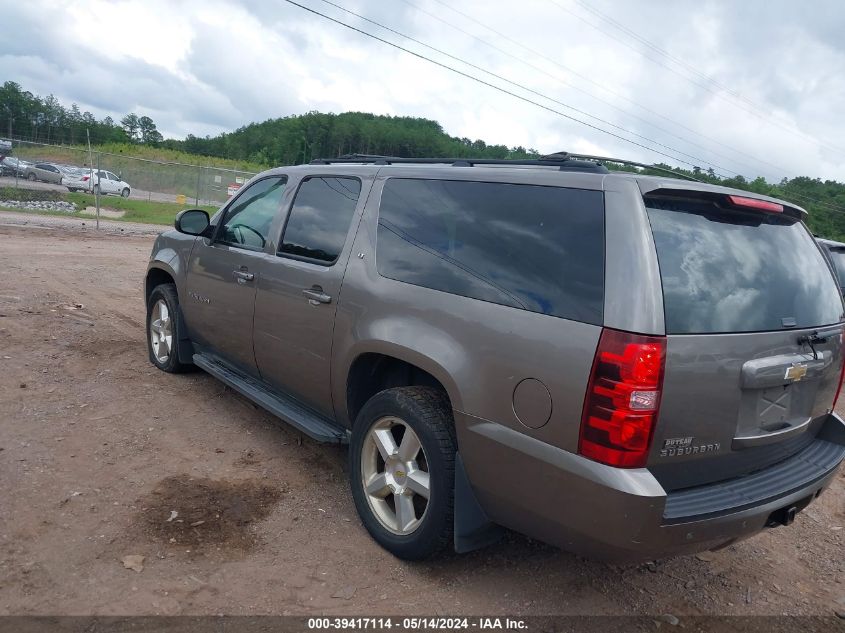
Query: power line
column 485, row 83
column 662, row 51
column 533, row 51
column 490, row 85
column 716, row 93
column 527, row 89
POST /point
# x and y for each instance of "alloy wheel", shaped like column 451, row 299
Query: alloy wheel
column 161, row 331
column 394, row 473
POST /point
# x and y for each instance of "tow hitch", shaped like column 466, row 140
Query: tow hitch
column 784, row 516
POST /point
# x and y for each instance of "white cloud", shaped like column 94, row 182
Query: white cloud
column 206, row 66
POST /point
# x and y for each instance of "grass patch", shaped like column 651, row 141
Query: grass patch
column 27, row 195
column 134, row 210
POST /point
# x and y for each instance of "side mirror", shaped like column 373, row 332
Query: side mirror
column 192, row 222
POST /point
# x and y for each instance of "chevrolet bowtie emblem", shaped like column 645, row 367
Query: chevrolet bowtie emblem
column 796, row 372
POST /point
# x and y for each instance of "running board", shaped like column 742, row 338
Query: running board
column 298, row 416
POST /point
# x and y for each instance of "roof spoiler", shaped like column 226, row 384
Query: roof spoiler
column 715, row 193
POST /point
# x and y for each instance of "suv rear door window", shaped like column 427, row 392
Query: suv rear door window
column 526, row 246
column 320, row 218
column 730, row 271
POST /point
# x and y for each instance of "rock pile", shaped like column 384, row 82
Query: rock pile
column 40, row 205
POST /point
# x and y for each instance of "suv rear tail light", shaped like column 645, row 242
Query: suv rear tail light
column 623, row 398
column 754, row 203
column 85, row 178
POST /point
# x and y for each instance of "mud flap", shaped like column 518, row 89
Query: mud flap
column 184, row 346
column 473, row 529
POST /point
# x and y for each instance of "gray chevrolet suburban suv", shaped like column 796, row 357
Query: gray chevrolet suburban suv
column 627, row 366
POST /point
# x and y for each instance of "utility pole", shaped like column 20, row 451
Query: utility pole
column 199, row 176
column 97, row 196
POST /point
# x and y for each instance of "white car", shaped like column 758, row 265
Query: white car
column 91, row 180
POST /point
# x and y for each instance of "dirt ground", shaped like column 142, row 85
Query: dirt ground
column 102, row 457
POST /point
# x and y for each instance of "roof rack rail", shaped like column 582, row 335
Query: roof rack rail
column 565, row 161
column 622, row 161
column 564, row 164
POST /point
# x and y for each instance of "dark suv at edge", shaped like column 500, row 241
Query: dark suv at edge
column 626, row 366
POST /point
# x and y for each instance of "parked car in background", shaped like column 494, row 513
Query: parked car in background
column 82, row 179
column 835, row 252
column 628, row 366
column 5, row 146
column 11, row 166
column 45, row 172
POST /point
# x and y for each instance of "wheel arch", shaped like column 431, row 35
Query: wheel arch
column 158, row 273
column 384, row 365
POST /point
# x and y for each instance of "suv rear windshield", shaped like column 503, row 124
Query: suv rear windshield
column 526, row 246
column 729, row 271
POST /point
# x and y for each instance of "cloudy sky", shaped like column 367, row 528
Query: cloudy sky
column 754, row 87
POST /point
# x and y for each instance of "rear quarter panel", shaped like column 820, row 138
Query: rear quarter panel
column 479, row 351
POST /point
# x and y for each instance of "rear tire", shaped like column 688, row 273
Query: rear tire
column 390, row 492
column 96, row 190
column 163, row 329
column 31, row 178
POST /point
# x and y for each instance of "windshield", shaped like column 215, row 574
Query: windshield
column 729, row 271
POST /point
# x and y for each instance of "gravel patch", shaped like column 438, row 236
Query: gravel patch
column 86, row 224
column 40, row 205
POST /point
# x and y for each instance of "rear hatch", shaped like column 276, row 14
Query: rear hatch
column 754, row 336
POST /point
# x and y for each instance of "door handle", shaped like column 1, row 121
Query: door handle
column 316, row 296
column 242, row 276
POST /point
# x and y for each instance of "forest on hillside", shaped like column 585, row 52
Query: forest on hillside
column 300, row 138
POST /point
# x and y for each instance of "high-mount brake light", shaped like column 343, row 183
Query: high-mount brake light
column 623, row 399
column 754, row 203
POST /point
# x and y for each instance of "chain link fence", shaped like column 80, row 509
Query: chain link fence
column 146, row 179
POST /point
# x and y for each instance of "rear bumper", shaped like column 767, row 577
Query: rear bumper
column 624, row 515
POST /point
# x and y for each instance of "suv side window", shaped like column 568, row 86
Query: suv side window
column 319, row 220
column 247, row 221
column 532, row 247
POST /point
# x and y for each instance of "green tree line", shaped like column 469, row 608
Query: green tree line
column 300, row 138
column 28, row 117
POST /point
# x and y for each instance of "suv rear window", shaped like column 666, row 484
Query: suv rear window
column 526, row 246
column 729, row 271
column 837, row 256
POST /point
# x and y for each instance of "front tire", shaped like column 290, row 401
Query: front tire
column 163, row 329
column 125, row 193
column 32, row 178
column 402, row 470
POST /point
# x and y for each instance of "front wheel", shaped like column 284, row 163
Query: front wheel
column 31, row 178
column 163, row 329
column 402, row 470
column 125, row 193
